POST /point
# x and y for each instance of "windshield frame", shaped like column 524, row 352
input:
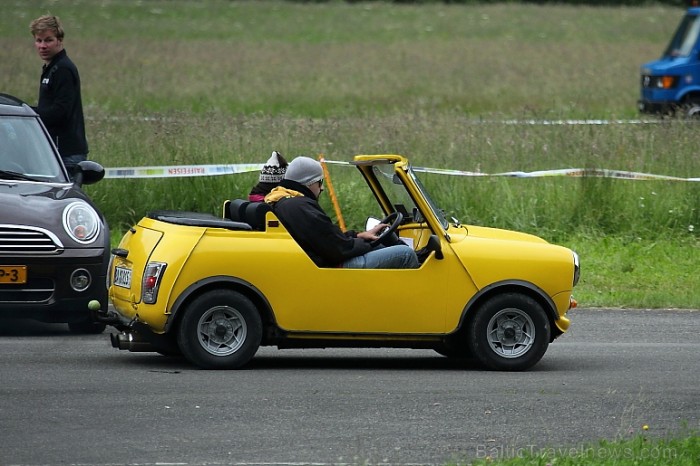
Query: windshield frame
column 438, row 212
column 397, row 182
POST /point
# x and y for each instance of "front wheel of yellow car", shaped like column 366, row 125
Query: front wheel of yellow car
column 509, row 332
column 220, row 329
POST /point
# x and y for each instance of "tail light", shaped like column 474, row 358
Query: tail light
column 152, row 278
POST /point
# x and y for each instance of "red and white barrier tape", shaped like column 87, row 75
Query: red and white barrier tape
column 179, row 171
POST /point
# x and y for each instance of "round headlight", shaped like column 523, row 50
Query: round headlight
column 81, row 222
column 577, row 268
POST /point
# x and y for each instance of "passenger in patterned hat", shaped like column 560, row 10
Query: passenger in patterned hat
column 270, row 176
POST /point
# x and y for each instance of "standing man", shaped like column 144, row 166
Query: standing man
column 60, row 105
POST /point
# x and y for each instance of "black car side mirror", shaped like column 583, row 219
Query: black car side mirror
column 88, row 172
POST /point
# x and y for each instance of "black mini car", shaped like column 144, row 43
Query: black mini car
column 54, row 242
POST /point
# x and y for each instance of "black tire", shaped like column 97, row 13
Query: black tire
column 220, row 329
column 510, row 332
column 691, row 111
column 86, row 328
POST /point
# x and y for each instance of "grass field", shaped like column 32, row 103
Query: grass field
column 456, row 87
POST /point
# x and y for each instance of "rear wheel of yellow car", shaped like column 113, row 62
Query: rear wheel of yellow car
column 220, row 329
column 509, row 332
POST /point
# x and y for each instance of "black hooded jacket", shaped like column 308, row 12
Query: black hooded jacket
column 326, row 244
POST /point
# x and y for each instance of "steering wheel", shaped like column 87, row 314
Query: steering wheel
column 389, row 237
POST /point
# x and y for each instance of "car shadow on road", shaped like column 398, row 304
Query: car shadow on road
column 159, row 363
column 346, row 362
column 26, row 327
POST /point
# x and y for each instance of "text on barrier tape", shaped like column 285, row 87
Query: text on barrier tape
column 179, row 171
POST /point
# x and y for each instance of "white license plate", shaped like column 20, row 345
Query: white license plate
column 122, row 277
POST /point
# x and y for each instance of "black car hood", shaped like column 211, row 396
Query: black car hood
column 41, row 205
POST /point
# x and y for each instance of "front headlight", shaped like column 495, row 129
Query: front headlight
column 659, row 82
column 81, row 222
column 577, row 268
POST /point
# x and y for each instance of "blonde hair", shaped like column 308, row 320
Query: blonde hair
column 47, row 23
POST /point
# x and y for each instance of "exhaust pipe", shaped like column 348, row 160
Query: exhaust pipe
column 131, row 342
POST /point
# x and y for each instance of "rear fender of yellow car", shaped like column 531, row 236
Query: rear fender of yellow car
column 133, row 253
column 232, row 259
column 144, row 244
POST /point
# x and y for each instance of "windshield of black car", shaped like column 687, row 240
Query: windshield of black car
column 26, row 152
column 685, row 37
column 399, row 196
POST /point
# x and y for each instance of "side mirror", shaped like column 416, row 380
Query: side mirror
column 434, row 245
column 88, row 172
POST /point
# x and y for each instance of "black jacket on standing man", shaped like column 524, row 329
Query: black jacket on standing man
column 60, row 106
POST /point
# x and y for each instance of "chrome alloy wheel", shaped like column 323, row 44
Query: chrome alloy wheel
column 511, row 333
column 221, row 330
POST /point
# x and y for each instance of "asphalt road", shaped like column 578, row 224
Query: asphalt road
column 68, row 399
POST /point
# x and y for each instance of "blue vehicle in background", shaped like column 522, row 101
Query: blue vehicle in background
column 671, row 84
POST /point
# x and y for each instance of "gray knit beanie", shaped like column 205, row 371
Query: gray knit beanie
column 304, row 170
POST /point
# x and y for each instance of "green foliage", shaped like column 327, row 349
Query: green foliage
column 629, row 272
column 553, row 207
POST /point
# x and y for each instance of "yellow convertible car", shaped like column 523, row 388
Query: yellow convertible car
column 214, row 289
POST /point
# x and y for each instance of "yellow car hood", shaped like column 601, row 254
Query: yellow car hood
column 491, row 255
column 473, row 231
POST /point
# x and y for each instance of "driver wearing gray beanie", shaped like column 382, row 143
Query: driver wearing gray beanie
column 295, row 203
column 304, row 170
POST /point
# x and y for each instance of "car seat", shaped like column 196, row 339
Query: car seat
column 235, row 210
column 255, row 213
